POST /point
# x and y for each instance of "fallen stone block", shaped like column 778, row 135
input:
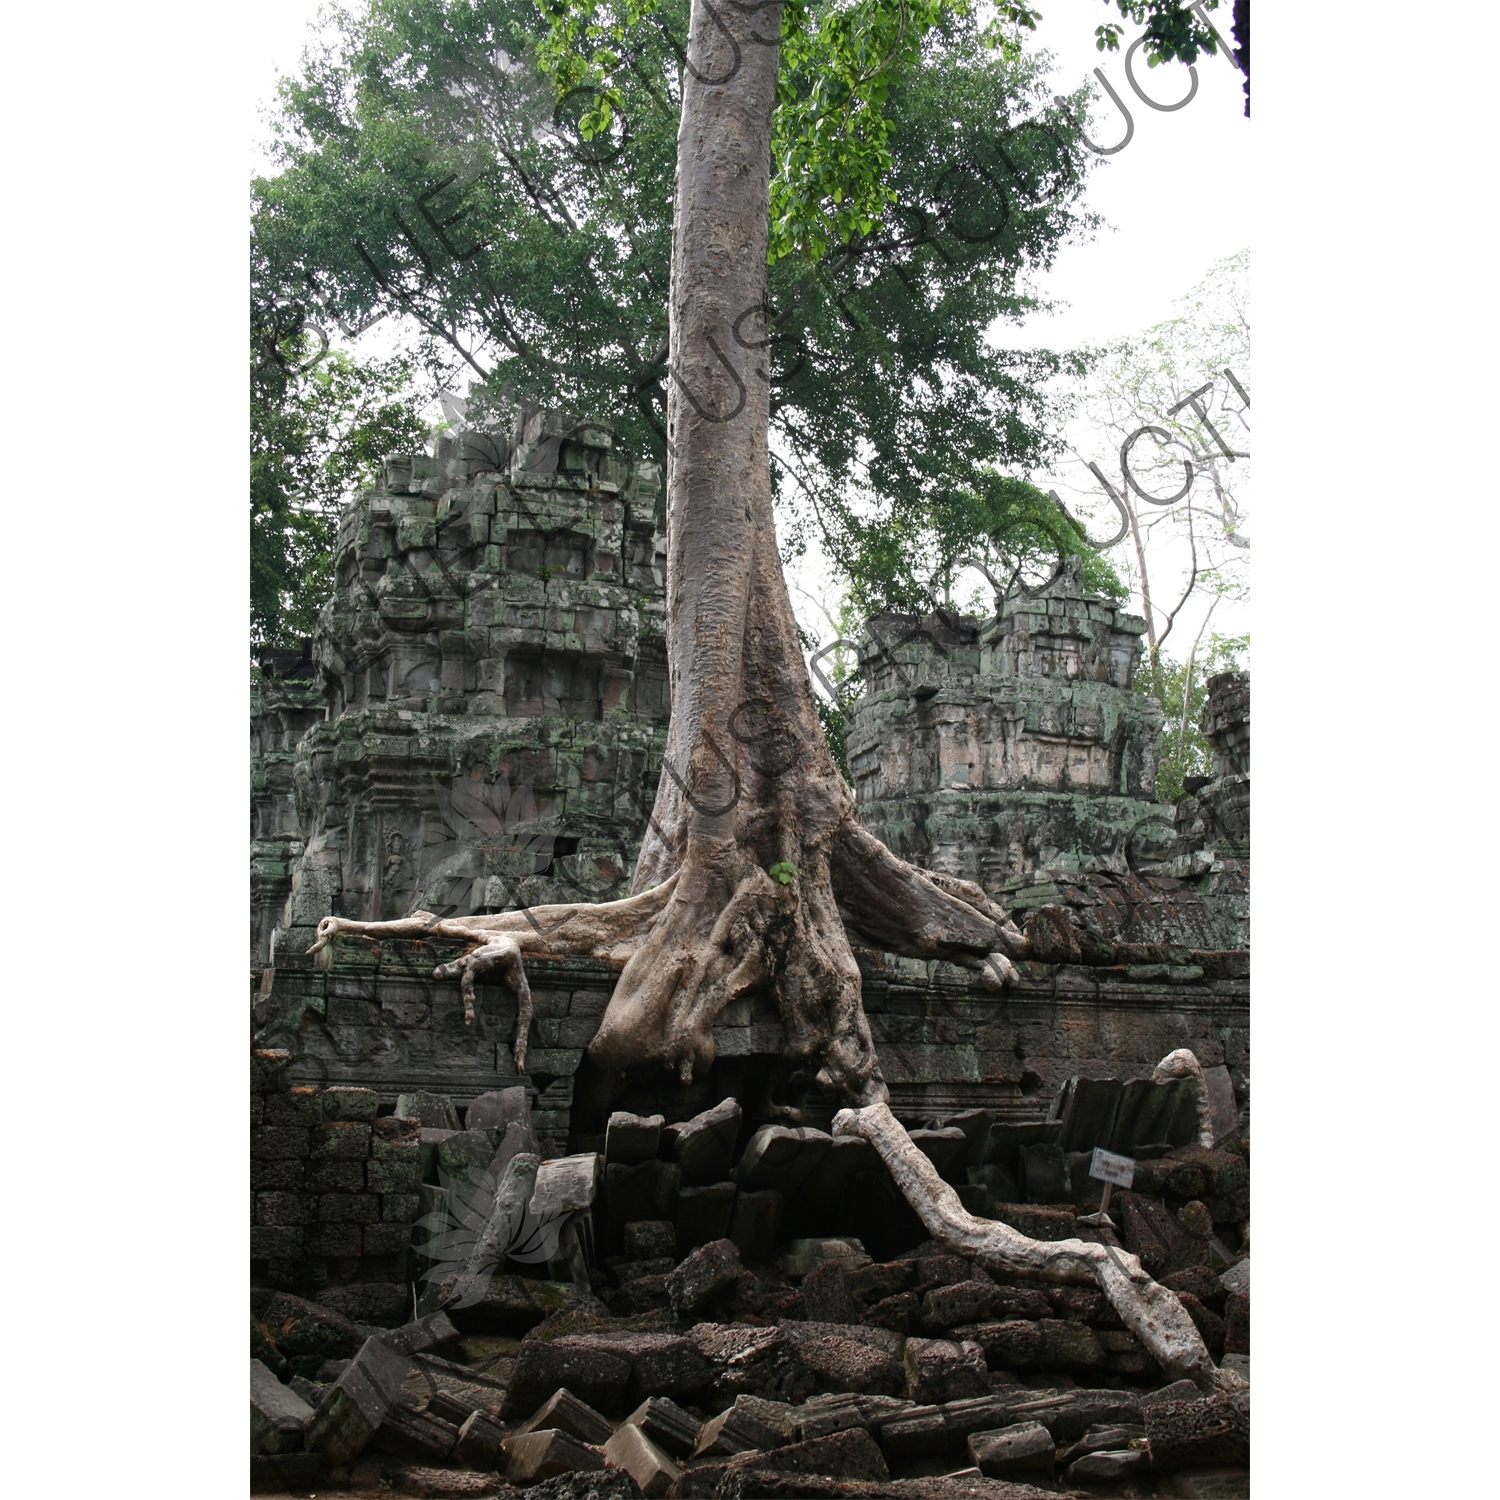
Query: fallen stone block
column 565, row 1412
column 967, row 1301
column 630, row 1449
column 944, row 1148
column 1067, row 1415
column 499, row 1109
column 667, row 1425
column 357, row 1404
column 586, row 1367
column 709, row 1271
column 804, row 1330
column 838, row 1412
column 802, row 1255
column 641, row 1294
column 434, row 1334
column 278, row 1415
column 1236, row 1278
column 661, row 1364
column 900, row 1314
column 1098, row 1440
column 1110, row 1466
column 479, row 1440
column 305, row 1331
column 516, row 1304
column 1073, row 1347
column 1016, row 1344
column 755, row 1225
column 842, row 1364
column 265, row 1351
column 647, row 1190
column 1038, row 1221
column 1211, row 1433
column 278, row 1473
column 441, row 1484
column 648, row 1239
column 850, row 1455
column 465, row 1156
column 377, row 1305
column 734, row 1430
column 515, row 1140
column 704, row 1146
column 1207, row 1484
column 605, row 1484
column 1209, row 1324
column 430, row 1111
column 411, row 1432
column 753, row 1361
column 706, row 1213
column 531, row 1456
column 427, row 1151
column 451, row 1407
column 1024, row 1448
column 1237, row 1323
column 826, row 1294
column 631, row 1139
column 780, row 1157
column 938, row 1370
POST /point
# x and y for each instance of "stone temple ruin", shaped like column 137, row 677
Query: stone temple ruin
column 478, row 725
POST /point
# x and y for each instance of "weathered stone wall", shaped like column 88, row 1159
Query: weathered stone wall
column 333, row 1191
column 377, row 1019
column 992, row 749
column 493, row 667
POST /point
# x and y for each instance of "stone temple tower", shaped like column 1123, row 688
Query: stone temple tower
column 992, row 749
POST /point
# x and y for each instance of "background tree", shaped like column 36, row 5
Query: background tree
column 320, row 424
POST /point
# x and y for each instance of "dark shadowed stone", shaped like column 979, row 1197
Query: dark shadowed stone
column 631, row 1139
column 514, row 1304
column 1015, row 1344
column 431, row 1111
column 1044, row 1175
column 434, row 1334
column 704, row 1214
column 709, row 1271
column 874, row 1283
column 1089, row 1112
column 610, row 1484
column 1022, row 1449
column 1149, row 1229
column 278, row 1415
column 945, row 1149
column 646, row 1191
column 1000, row 1184
column 499, row 1108
column 1201, row 1282
column 1038, row 1222
column 1237, row 1323
column 1207, row 1484
column 303, row 1330
column 938, row 1370
column 1211, row 1433
column 780, row 1157
column 646, row 1239
column 590, row 1369
column 901, row 1313
column 755, row 1225
column 704, row 1146
column 825, row 1293
column 413, row 1433
column 1073, row 1347
column 1209, row 1324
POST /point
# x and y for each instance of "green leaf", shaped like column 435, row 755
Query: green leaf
column 784, row 871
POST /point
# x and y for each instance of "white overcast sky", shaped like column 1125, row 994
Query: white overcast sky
column 1174, row 201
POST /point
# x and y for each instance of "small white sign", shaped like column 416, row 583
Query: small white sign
column 1107, row 1167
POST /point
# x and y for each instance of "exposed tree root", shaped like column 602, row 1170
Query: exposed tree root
column 1151, row 1312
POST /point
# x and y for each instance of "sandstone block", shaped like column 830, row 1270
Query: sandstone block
column 431, row 1111
column 479, row 1441
column 1022, row 1449
column 630, row 1449
column 541, row 1455
column 704, row 1146
column 780, row 1157
column 667, row 1425
column 358, row 1402
column 734, row 1431
column 704, row 1214
column 707, row 1273
column 630, row 1139
column 938, row 1370
column 565, row 1412
column 498, row 1109
column 278, row 1415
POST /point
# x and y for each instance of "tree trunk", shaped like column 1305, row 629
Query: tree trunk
column 754, row 869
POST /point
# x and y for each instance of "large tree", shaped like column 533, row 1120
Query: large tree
column 756, row 871
column 519, row 232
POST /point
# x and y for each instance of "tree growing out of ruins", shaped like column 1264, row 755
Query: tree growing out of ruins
column 755, row 871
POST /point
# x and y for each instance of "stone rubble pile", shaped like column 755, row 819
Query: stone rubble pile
column 705, row 1354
